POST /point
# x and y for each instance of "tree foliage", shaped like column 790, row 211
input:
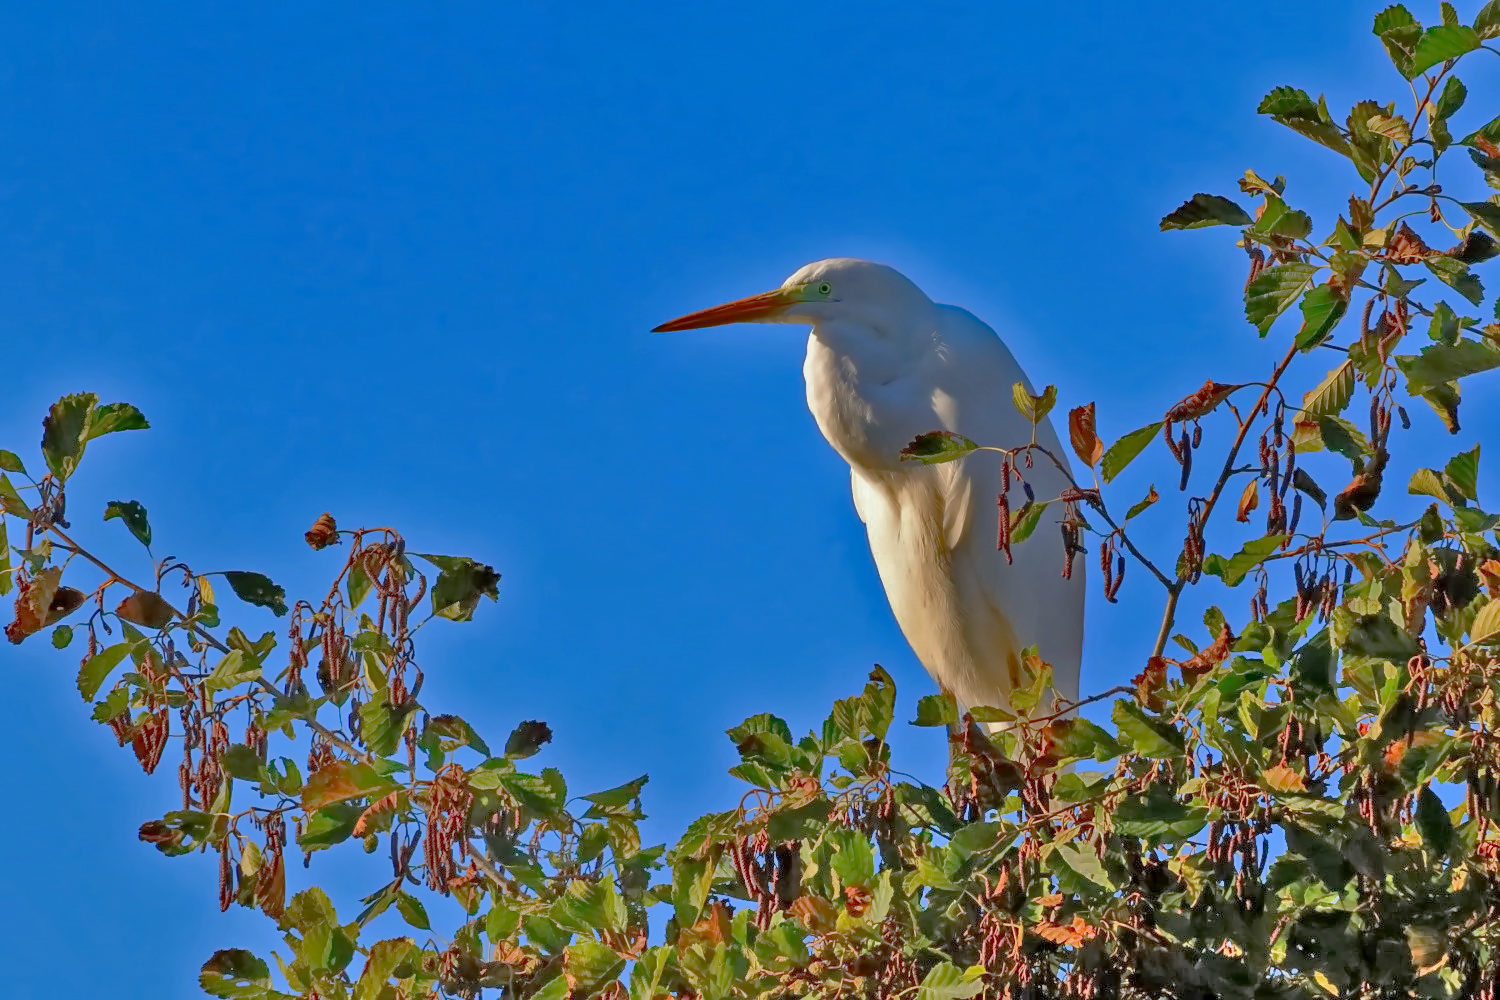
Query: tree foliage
column 1300, row 803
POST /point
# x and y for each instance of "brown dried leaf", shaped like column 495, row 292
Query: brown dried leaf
column 1209, row 657
column 377, row 812
column 817, row 915
column 1084, row 436
column 1071, row 934
column 1489, row 572
column 323, row 533
column 1149, row 683
column 1200, row 403
column 146, row 608
column 270, row 886
column 1249, row 500
column 1406, row 247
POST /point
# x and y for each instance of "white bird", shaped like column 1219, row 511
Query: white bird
column 885, row 364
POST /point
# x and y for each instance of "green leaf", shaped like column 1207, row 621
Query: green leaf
column 620, row 795
column 937, row 447
column 541, row 793
column 1205, row 210
column 112, row 418
column 1444, row 400
column 384, row 958
column 1085, row 862
column 63, row 432
column 1123, row 451
column 11, row 462
column 97, row 667
column 1158, row 816
column 61, row 636
column 1149, row 737
column 1288, row 101
column 459, row 586
column 1150, row 498
column 1445, row 327
column 1463, row 472
column 1399, row 32
column 1322, row 308
column 236, row 974
column 1441, row 43
column 1304, row 483
column 1433, row 822
column 1456, row 274
column 935, row 710
column 10, row 500
column 1278, row 219
column 1486, row 628
column 1333, row 393
column 462, row 734
column 134, row 516
column 1442, row 363
column 330, row 825
column 243, row 762
column 1487, row 21
column 382, row 724
column 1033, row 408
column 1486, row 213
column 945, row 982
column 1452, row 98
column 1426, row 482
column 1026, row 519
column 233, row 670
column 1233, row 569
column 413, row 912
column 527, row 738
column 256, row 589
column 1273, row 290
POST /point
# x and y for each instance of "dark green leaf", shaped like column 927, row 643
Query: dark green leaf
column 330, row 825
column 1433, row 822
column 11, row 462
column 541, row 793
column 113, row 417
column 1206, row 210
column 1452, row 98
column 1157, row 816
column 1486, row 213
column 1444, row 328
column 620, row 795
column 383, row 725
column 1441, row 43
column 242, row 761
column 61, row 636
column 1442, row 363
column 10, row 500
column 1273, row 290
column 1150, row 498
column 1278, row 219
column 937, row 447
column 527, row 738
column 1123, row 451
column 462, row 734
column 1288, row 101
column 63, row 432
column 413, row 912
column 134, row 516
column 1303, row 482
column 1322, row 308
column 459, row 586
column 257, row 589
column 1463, row 472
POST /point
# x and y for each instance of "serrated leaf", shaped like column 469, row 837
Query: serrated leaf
column 1279, row 219
column 233, row 670
column 1025, row 520
column 11, row 462
column 1486, row 213
column 1333, row 393
column 1322, row 308
column 134, row 516
column 937, row 447
column 1287, row 101
column 1487, row 21
column 1086, row 863
column 1205, row 210
column 1456, row 274
column 945, row 982
column 383, row 960
column 935, row 710
column 1150, row 498
column 1462, row 471
column 1486, row 628
column 460, row 584
column 1442, row 363
column 1273, row 290
column 236, row 974
column 1123, row 451
column 1441, row 43
column 1147, row 736
column 10, row 499
column 1391, row 127
column 340, row 780
column 1451, row 99
column 64, row 432
column 1033, row 408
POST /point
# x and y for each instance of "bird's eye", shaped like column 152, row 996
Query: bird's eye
column 824, row 288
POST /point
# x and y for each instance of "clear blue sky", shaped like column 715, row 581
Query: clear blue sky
column 399, row 262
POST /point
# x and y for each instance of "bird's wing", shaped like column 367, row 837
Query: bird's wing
column 1028, row 601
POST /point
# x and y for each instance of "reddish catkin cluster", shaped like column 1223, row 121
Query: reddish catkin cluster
column 768, row 873
column 448, row 804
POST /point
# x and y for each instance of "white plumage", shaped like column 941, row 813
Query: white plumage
column 885, row 364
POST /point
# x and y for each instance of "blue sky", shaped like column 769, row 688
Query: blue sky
column 400, row 264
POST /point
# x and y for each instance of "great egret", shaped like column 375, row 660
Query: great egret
column 885, row 364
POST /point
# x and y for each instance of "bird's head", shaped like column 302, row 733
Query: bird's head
column 842, row 290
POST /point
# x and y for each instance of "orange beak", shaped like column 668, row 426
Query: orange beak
column 747, row 310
